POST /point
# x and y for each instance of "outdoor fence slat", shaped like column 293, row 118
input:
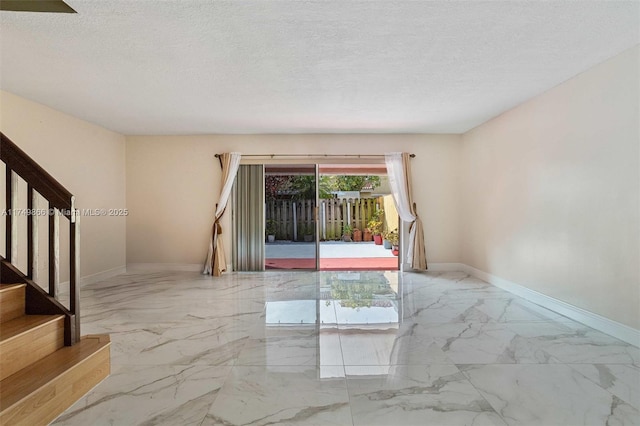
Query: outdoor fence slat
column 276, row 217
column 281, row 220
column 293, row 219
column 305, row 215
column 333, row 219
column 363, row 213
column 330, row 219
column 337, row 219
column 300, row 207
column 312, row 215
column 289, row 216
column 284, row 229
column 367, row 212
column 324, row 220
column 345, row 213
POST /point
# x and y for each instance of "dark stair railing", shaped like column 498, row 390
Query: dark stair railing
column 61, row 204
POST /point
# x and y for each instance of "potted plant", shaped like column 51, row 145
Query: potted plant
column 394, row 239
column 357, row 235
column 346, row 233
column 375, row 226
column 367, row 235
column 385, row 240
column 270, row 230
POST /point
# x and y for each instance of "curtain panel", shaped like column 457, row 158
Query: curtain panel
column 216, row 262
column 248, row 219
column 399, row 172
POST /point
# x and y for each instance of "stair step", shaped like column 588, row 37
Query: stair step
column 27, row 339
column 39, row 393
column 11, row 301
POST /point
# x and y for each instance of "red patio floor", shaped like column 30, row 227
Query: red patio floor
column 337, row 264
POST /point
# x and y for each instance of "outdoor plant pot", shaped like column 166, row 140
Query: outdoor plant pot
column 346, row 238
column 387, row 244
column 367, row 235
column 395, row 250
column 377, row 239
column 271, row 238
column 357, row 235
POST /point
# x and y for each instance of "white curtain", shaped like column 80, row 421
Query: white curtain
column 399, row 172
column 216, row 262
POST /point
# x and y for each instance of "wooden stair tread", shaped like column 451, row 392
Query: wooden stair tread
column 12, row 301
column 8, row 287
column 25, row 382
column 25, row 323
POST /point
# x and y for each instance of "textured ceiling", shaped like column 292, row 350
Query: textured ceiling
column 261, row 66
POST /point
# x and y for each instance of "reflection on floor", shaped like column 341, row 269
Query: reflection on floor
column 334, row 256
column 375, row 348
column 336, row 264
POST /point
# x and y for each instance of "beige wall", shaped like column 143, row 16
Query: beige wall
column 89, row 161
column 173, row 184
column 551, row 191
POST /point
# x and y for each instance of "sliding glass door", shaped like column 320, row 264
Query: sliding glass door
column 314, row 217
column 291, row 236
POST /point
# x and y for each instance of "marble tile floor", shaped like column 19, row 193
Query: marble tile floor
column 346, row 348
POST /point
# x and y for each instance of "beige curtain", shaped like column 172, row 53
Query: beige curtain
column 216, row 262
column 399, row 172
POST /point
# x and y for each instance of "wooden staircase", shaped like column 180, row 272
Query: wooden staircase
column 39, row 376
column 45, row 366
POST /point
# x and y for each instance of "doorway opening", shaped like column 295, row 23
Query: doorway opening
column 290, row 193
column 358, row 219
column 329, row 217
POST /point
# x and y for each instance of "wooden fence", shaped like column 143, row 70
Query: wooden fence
column 294, row 219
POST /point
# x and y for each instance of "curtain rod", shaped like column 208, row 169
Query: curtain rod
column 315, row 155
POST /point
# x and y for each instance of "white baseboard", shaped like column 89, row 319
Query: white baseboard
column 63, row 287
column 155, row 267
column 104, row 275
column 606, row 325
column 446, row 267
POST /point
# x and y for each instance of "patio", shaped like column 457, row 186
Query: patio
column 334, row 256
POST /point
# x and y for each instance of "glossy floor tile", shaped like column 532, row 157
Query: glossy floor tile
column 346, row 348
column 548, row 394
